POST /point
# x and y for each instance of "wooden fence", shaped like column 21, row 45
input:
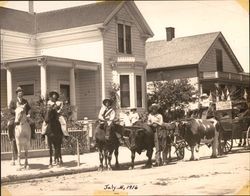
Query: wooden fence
column 83, row 135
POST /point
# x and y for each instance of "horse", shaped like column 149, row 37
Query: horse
column 22, row 135
column 54, row 135
column 107, row 143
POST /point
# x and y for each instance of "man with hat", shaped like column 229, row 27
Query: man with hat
column 133, row 116
column 12, row 107
column 155, row 121
column 107, row 116
column 58, row 105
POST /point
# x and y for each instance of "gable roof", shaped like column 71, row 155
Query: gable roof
column 183, row 51
column 16, row 20
column 90, row 14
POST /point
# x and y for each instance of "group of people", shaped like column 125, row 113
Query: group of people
column 21, row 101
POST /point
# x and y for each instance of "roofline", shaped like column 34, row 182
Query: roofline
column 47, row 57
column 110, row 16
column 171, row 68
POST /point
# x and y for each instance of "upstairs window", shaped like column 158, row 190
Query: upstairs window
column 124, row 91
column 124, row 39
column 219, row 60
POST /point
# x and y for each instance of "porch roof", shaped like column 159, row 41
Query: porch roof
column 50, row 61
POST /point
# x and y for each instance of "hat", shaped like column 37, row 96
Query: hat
column 204, row 95
column 107, row 100
column 194, row 97
column 131, row 109
column 54, row 93
column 155, row 106
column 19, row 89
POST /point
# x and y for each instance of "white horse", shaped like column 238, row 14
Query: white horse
column 22, row 134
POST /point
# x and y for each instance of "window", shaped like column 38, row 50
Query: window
column 124, row 91
column 128, row 39
column 124, row 42
column 120, row 38
column 28, row 89
column 65, row 92
column 219, row 60
column 139, row 91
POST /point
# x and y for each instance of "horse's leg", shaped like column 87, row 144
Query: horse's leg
column 100, row 158
column 149, row 155
column 60, row 153
column 14, row 151
column 18, row 154
column 116, row 157
column 132, row 159
column 50, row 153
column 26, row 165
column 197, row 146
column 192, row 153
column 110, row 152
column 106, row 158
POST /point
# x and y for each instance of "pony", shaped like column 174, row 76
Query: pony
column 54, row 135
column 22, row 135
column 107, row 143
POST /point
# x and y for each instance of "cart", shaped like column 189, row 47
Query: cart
column 234, row 125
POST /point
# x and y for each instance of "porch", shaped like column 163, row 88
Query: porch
column 78, row 82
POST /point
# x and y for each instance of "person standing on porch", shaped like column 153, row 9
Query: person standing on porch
column 58, row 105
column 155, row 121
column 107, row 116
column 12, row 107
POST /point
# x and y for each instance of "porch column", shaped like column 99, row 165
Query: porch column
column 43, row 77
column 73, row 91
column 9, row 86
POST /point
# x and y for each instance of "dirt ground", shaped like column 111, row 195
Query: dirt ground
column 220, row 176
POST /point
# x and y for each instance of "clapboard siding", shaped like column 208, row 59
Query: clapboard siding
column 30, row 74
column 171, row 74
column 55, row 75
column 87, row 94
column 209, row 61
column 3, row 89
column 110, row 44
column 19, row 49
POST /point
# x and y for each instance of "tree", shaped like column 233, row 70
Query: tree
column 171, row 94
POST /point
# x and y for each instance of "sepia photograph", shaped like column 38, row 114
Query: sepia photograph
column 104, row 98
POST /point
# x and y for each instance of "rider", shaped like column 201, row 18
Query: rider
column 155, row 121
column 133, row 116
column 12, row 107
column 58, row 105
column 107, row 116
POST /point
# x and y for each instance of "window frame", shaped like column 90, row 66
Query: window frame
column 219, row 61
column 136, row 90
column 129, row 89
column 124, row 25
column 63, row 82
column 31, row 82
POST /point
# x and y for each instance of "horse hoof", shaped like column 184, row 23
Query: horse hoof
column 109, row 169
column 131, row 168
column 100, row 169
column 213, row 156
column 191, row 159
column 27, row 167
column 50, row 166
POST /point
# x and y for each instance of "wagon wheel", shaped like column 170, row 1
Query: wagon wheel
column 227, row 146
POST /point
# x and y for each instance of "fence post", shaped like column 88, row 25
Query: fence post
column 78, row 153
column 86, row 128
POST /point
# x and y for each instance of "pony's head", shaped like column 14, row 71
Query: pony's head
column 20, row 113
column 50, row 114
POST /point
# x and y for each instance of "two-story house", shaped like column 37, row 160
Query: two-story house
column 77, row 51
column 206, row 60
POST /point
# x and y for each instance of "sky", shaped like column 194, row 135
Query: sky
column 187, row 17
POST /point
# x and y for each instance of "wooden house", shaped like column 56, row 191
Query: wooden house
column 206, row 60
column 79, row 51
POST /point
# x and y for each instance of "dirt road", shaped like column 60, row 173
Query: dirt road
column 224, row 175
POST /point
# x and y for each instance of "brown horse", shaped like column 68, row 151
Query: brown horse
column 54, row 134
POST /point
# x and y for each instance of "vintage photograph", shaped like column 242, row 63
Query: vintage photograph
column 128, row 98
